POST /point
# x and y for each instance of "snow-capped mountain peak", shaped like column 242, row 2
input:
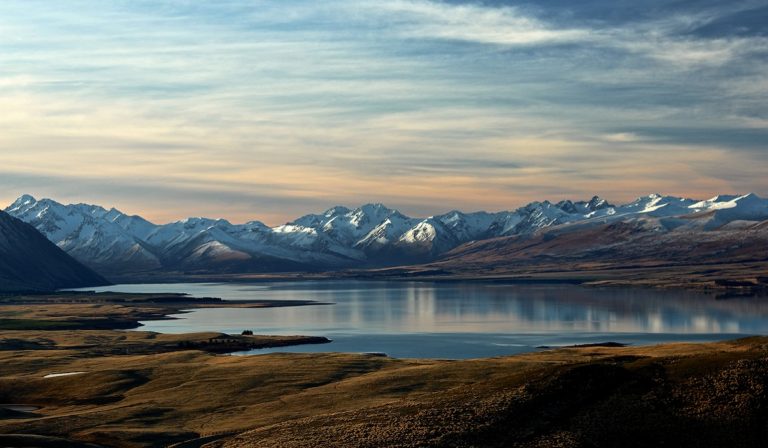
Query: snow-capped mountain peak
column 656, row 205
column 723, row 209
column 389, row 231
column 87, row 232
column 370, row 234
column 335, row 211
column 22, row 201
column 371, row 212
column 714, row 202
column 730, row 201
column 597, row 203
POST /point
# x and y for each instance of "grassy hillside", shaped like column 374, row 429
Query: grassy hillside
column 680, row 394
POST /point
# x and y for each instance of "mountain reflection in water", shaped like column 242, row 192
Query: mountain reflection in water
column 469, row 319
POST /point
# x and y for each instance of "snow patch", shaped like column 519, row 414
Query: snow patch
column 56, row 375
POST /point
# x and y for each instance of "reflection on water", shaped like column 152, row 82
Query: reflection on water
column 460, row 320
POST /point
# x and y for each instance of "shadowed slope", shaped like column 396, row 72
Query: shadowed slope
column 601, row 397
column 28, row 261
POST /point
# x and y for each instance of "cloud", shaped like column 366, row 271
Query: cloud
column 473, row 23
column 664, row 39
column 621, row 137
column 688, row 52
column 421, row 104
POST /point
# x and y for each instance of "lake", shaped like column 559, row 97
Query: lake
column 462, row 320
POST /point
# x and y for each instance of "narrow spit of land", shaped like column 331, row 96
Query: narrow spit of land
column 87, row 322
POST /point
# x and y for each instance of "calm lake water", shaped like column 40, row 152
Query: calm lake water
column 463, row 320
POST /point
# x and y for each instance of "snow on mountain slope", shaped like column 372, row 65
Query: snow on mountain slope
column 214, row 250
column 532, row 217
column 539, row 215
column 114, row 242
column 719, row 201
column 637, row 241
column 386, row 233
column 654, row 205
column 340, row 237
column 315, row 220
column 429, row 237
column 86, row 232
column 352, row 226
column 467, row 226
column 29, row 261
column 585, row 208
column 134, row 225
column 305, row 244
column 176, row 234
column 190, row 241
column 725, row 209
column 748, row 206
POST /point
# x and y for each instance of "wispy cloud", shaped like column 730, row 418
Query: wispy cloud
column 472, row 23
column 414, row 102
column 621, row 137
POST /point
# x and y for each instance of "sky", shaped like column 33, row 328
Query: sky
column 248, row 109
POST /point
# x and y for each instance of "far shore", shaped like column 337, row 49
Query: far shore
column 736, row 278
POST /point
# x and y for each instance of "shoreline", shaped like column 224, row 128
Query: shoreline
column 115, row 311
column 141, row 388
column 188, row 397
column 720, row 278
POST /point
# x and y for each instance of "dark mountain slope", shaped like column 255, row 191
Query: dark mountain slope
column 29, row 262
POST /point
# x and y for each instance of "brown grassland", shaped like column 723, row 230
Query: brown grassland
column 141, row 389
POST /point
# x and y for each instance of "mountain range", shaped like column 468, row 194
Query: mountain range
column 372, row 235
column 30, row 262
